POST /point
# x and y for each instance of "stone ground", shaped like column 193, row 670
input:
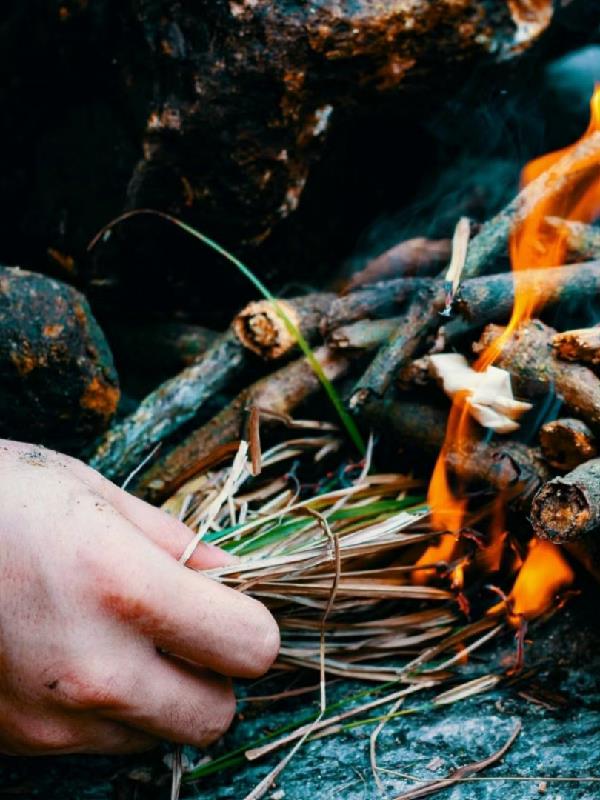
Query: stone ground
column 560, row 742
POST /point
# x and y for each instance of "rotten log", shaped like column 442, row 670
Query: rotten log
column 277, row 394
column 261, row 327
column 58, row 384
column 582, row 240
column 582, row 344
column 236, row 98
column 529, row 357
column 499, row 464
column 421, row 257
column 165, row 410
column 566, row 443
column 559, row 179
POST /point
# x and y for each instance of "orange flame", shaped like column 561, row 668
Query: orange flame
column 564, row 184
column 544, row 573
column 569, row 189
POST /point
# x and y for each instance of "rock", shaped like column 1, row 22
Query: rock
column 58, row 385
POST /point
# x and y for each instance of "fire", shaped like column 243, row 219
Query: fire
column 567, row 185
column 543, row 574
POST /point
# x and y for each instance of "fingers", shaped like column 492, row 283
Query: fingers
column 173, row 701
column 167, row 532
column 184, row 612
column 30, row 734
column 108, row 738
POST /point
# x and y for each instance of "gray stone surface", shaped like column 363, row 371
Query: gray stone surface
column 428, row 744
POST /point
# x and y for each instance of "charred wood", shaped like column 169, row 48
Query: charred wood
column 566, row 443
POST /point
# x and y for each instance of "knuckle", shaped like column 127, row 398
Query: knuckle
column 92, row 687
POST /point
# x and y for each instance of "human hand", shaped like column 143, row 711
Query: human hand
column 107, row 643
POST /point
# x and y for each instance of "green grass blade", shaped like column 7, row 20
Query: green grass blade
column 334, row 397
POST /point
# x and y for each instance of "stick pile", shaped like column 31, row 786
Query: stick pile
column 346, row 556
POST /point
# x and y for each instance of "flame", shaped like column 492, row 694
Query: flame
column 544, row 573
column 564, row 184
column 570, row 191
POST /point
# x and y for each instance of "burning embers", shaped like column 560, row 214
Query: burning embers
column 565, row 185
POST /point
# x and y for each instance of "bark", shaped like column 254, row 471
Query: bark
column 421, row 319
column 381, row 301
column 58, row 384
column 226, row 106
column 491, row 298
column 279, row 393
column 566, row 443
column 529, row 357
column 166, row 409
column 582, row 240
column 422, row 257
column 578, row 345
column 418, row 426
column 364, row 334
column 492, row 239
column 567, row 509
column 261, row 327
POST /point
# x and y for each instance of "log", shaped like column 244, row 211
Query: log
column 582, row 240
column 364, row 334
column 237, row 99
column 420, row 256
column 567, row 508
column 582, row 344
column 380, row 301
column 58, row 384
column 166, row 409
column 491, row 298
column 528, row 356
column 261, row 327
column 419, row 425
column 492, row 240
column 278, row 394
column 566, row 443
column 421, row 319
